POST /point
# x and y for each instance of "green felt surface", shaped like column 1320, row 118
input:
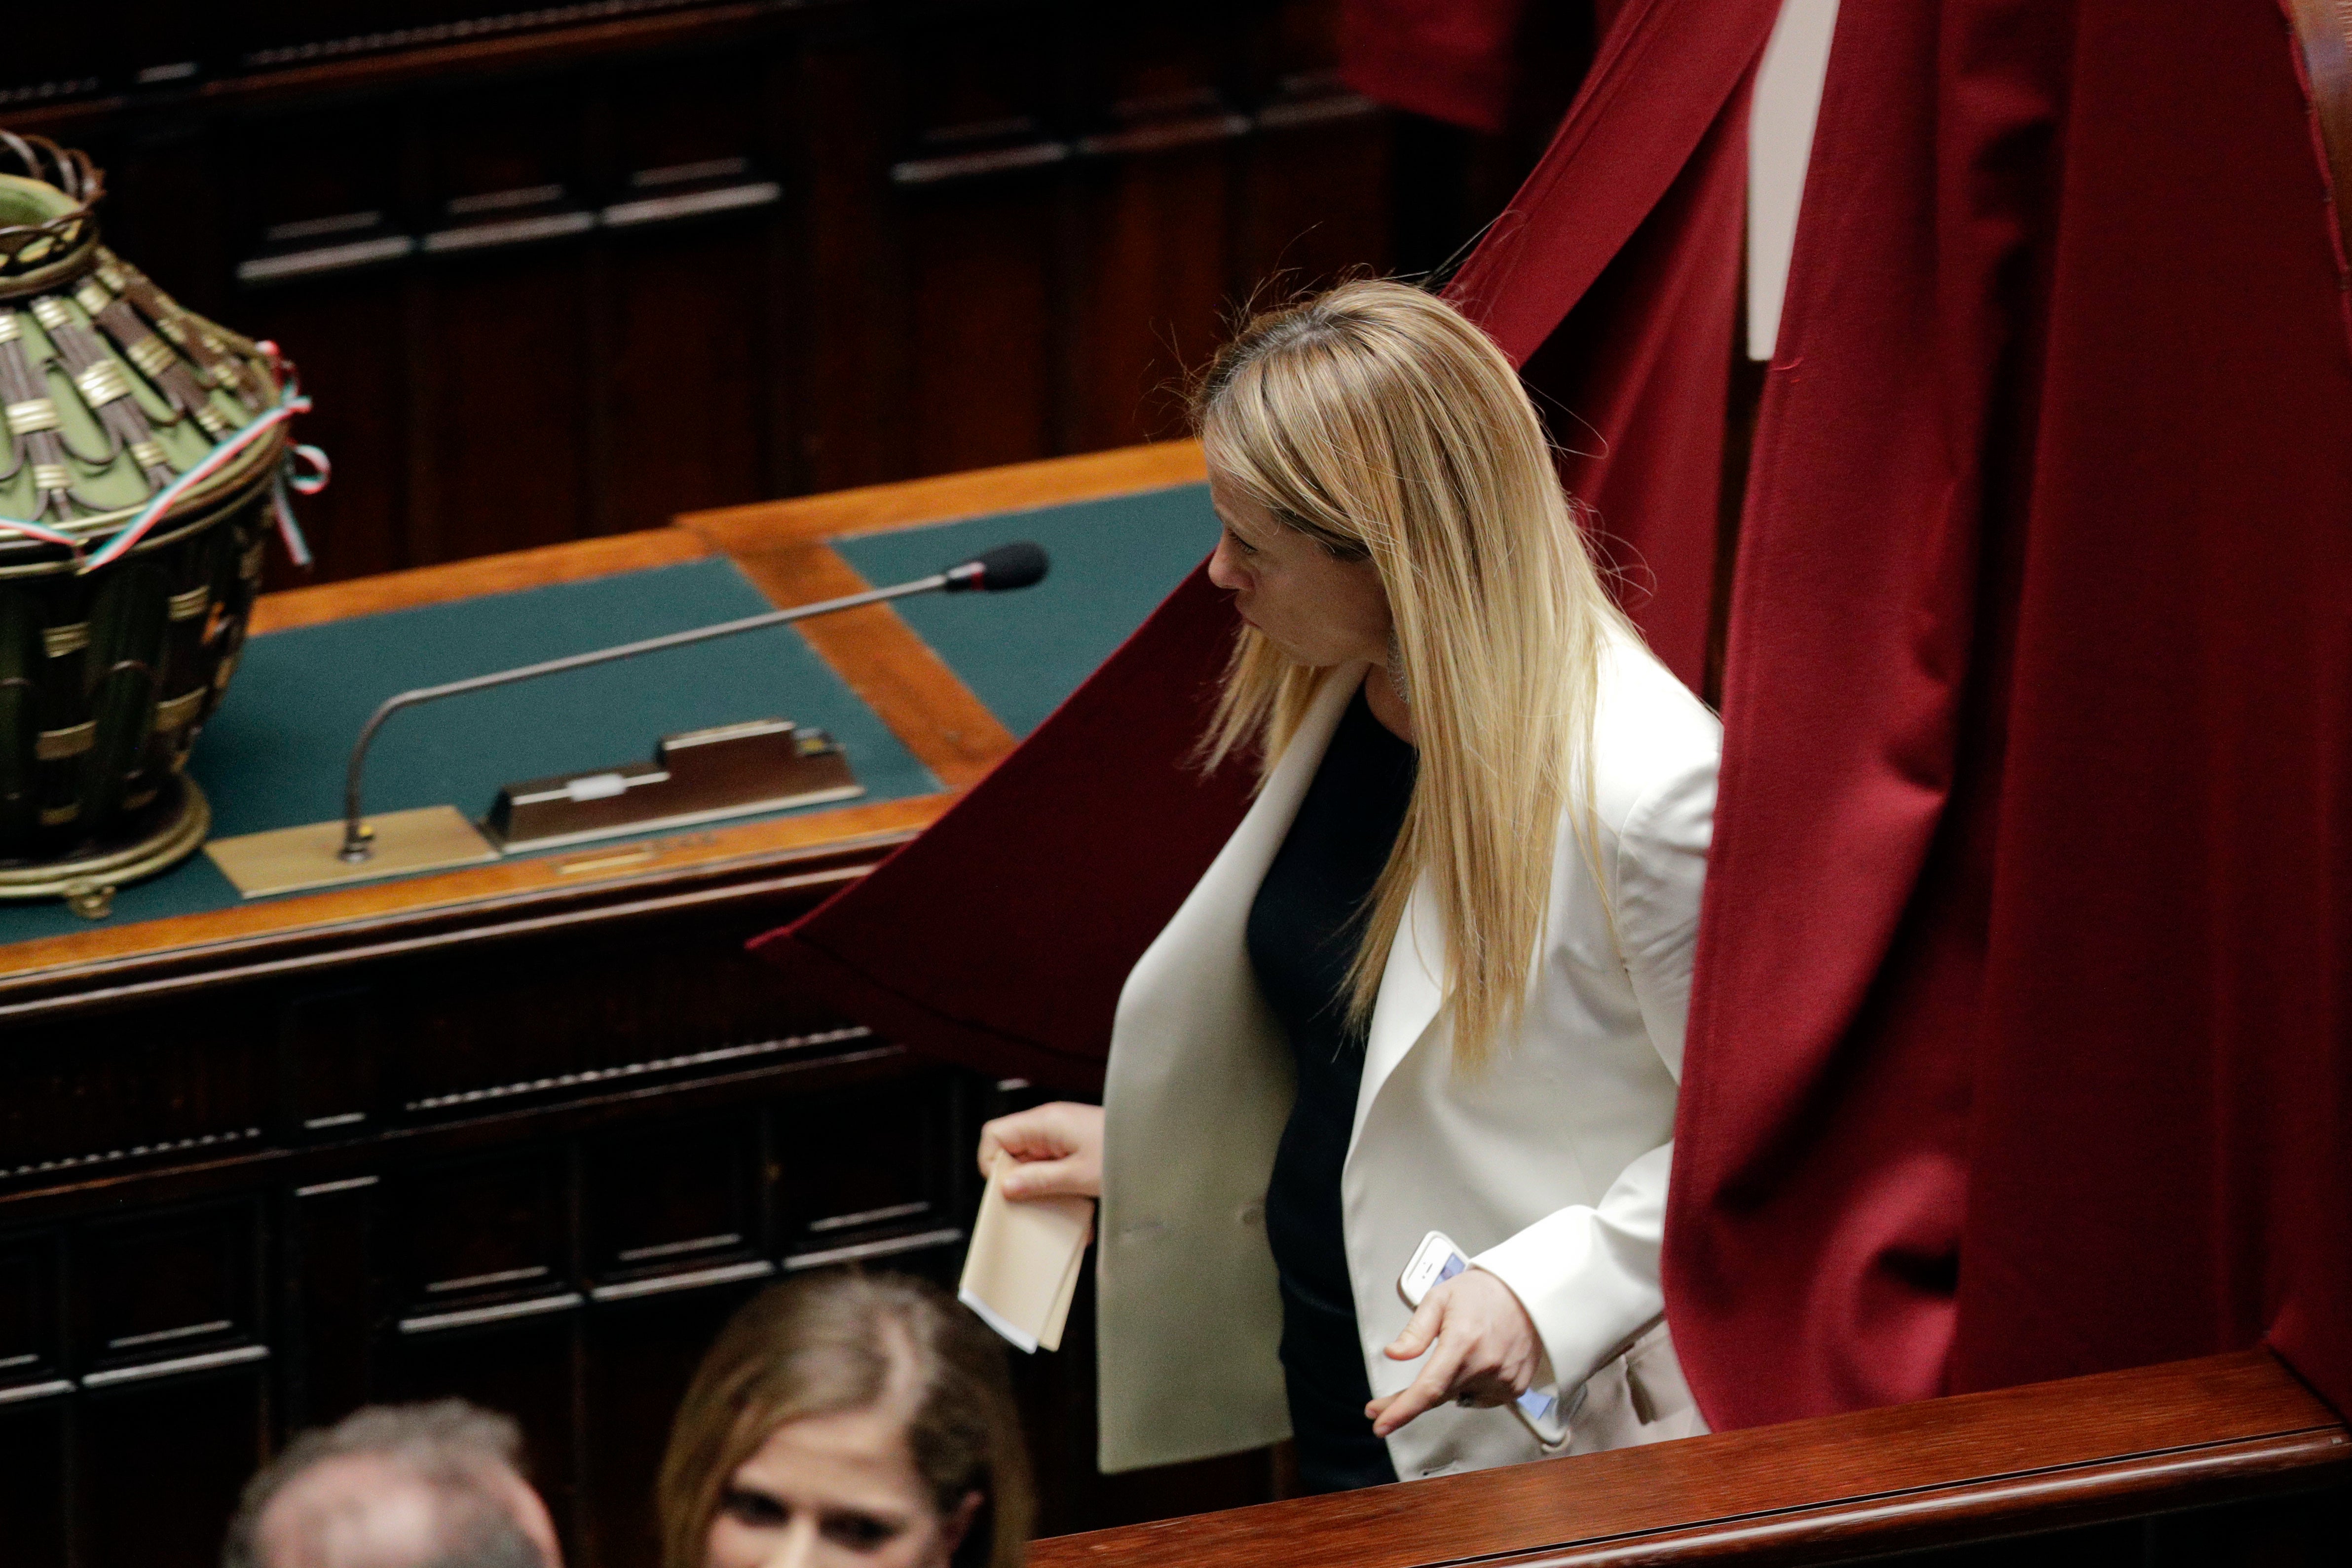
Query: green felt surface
column 1113, row 562
column 273, row 756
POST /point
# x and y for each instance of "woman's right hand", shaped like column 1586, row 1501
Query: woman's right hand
column 1059, row 1147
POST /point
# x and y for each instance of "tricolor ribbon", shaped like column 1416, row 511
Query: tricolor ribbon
column 290, row 403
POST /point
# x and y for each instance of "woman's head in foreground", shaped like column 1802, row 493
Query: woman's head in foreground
column 1389, row 495
column 851, row 1420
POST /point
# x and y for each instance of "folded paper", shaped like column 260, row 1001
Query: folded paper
column 1023, row 1268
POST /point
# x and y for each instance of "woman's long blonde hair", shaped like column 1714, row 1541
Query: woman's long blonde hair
column 1380, row 422
column 830, row 1343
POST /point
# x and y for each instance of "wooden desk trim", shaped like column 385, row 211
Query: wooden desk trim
column 346, row 925
column 1016, row 487
column 778, row 545
column 1975, row 1468
column 575, row 562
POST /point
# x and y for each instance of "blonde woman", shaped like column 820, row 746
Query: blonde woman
column 847, row 1420
column 1436, row 979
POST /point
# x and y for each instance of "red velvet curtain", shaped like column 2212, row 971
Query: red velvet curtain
column 2021, row 1044
column 1450, row 59
column 1471, row 63
column 1001, row 937
column 1628, row 349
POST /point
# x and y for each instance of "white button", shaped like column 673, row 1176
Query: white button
column 596, row 786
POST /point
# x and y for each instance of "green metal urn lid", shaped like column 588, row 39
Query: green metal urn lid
column 109, row 390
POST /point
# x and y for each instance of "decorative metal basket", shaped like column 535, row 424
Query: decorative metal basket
column 146, row 459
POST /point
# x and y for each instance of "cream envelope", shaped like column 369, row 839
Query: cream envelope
column 1023, row 1268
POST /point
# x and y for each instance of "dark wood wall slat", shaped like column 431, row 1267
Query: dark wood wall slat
column 194, row 1439
column 36, row 1485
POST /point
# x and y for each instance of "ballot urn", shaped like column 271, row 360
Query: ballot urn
column 148, row 457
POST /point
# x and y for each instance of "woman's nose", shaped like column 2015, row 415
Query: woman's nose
column 798, row 1546
column 1225, row 567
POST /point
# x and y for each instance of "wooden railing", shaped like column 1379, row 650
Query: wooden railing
column 2179, row 1441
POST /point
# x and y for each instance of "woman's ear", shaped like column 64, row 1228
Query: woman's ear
column 955, row 1526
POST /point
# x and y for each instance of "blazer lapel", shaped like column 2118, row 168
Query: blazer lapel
column 1412, row 988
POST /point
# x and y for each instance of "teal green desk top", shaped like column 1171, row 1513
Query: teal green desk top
column 274, row 755
column 1113, row 561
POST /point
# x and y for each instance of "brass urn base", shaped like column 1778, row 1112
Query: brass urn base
column 154, row 838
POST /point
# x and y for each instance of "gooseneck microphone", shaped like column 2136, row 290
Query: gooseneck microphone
column 1006, row 567
column 995, row 571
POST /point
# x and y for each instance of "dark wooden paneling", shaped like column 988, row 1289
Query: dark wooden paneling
column 483, row 1231
column 851, row 351
column 161, row 1464
column 665, row 1204
column 1151, row 309
column 690, row 353
column 35, row 1494
column 1162, row 141
column 975, row 191
column 977, row 234
column 164, row 1286
column 32, row 1341
column 72, row 1105
column 332, row 1045
column 984, row 379
column 501, row 463
column 331, row 1286
column 865, row 1163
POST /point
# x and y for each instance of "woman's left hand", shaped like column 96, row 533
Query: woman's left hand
column 1483, row 1349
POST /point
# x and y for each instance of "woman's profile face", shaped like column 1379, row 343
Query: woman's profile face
column 834, row 1492
column 1317, row 609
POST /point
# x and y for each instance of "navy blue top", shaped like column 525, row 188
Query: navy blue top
column 1303, row 929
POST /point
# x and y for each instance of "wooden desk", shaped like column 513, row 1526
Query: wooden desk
column 781, row 546
column 525, row 1131
column 2226, row 1460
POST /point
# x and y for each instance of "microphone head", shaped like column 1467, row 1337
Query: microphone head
column 1007, row 566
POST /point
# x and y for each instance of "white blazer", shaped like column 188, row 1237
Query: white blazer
column 1550, row 1166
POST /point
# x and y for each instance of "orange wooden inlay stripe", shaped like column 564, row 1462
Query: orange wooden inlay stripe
column 1014, row 488
column 885, row 661
column 573, row 563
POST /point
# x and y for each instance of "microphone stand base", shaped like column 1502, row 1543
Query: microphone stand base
column 300, row 859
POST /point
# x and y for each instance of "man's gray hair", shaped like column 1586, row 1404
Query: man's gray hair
column 463, row 1457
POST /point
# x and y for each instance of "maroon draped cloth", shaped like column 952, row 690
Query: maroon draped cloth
column 2021, row 1046
column 1001, row 936
column 1450, row 59
column 1628, row 348
column 1471, row 63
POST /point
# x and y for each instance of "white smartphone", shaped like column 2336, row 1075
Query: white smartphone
column 1436, row 1261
